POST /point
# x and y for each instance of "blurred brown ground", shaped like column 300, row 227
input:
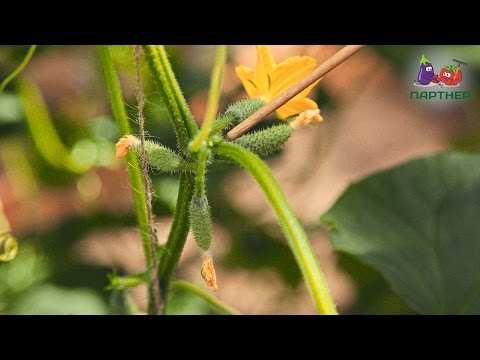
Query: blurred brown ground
column 374, row 126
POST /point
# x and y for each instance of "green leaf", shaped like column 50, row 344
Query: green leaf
column 50, row 299
column 126, row 282
column 11, row 110
column 418, row 225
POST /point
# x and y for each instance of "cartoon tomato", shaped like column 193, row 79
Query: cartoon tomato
column 450, row 75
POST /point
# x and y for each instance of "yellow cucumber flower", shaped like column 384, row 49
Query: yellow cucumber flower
column 269, row 80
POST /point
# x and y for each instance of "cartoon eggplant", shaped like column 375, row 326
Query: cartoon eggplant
column 426, row 73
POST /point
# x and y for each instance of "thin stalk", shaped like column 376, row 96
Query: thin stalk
column 202, row 159
column 147, row 186
column 180, row 114
column 213, row 97
column 178, row 233
column 19, row 68
column 134, row 172
column 180, row 284
column 291, row 227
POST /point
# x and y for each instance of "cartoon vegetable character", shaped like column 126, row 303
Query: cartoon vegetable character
column 425, row 75
column 451, row 75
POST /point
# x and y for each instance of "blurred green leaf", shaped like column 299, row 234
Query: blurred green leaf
column 374, row 295
column 84, row 153
column 29, row 268
column 181, row 302
column 45, row 136
column 50, row 299
column 125, row 282
column 470, row 52
column 11, row 110
column 166, row 191
column 103, row 127
column 418, row 225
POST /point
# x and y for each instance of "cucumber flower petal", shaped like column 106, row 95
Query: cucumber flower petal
column 269, row 80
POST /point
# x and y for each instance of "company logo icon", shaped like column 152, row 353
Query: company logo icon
column 449, row 76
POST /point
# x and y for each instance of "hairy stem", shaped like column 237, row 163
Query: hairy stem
column 147, row 185
column 180, row 284
column 134, row 172
column 291, row 227
column 19, row 68
column 178, row 233
column 202, row 159
column 213, row 97
column 180, row 114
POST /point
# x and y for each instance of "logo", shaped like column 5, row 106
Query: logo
column 449, row 75
column 447, row 78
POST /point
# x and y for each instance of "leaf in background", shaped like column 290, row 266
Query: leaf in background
column 11, row 110
column 418, row 225
column 374, row 295
column 184, row 303
column 8, row 247
column 50, row 299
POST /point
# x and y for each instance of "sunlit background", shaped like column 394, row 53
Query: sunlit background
column 68, row 201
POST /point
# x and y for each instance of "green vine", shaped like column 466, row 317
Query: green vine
column 217, row 304
column 192, row 207
column 19, row 68
column 213, row 98
column 178, row 234
column 134, row 172
column 180, row 114
column 291, row 227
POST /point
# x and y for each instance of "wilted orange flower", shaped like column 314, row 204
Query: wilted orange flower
column 125, row 143
column 208, row 272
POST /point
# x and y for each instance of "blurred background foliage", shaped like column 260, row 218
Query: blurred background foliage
column 68, row 202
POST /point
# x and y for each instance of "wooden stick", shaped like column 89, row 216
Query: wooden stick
column 295, row 89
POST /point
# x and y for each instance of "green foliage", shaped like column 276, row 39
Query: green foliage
column 182, row 302
column 290, row 225
column 166, row 192
column 30, row 268
column 178, row 233
column 172, row 96
column 215, row 303
column 11, row 109
column 373, row 294
column 418, row 225
column 44, row 134
column 19, row 68
column 57, row 283
column 53, row 300
column 125, row 282
column 134, row 172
